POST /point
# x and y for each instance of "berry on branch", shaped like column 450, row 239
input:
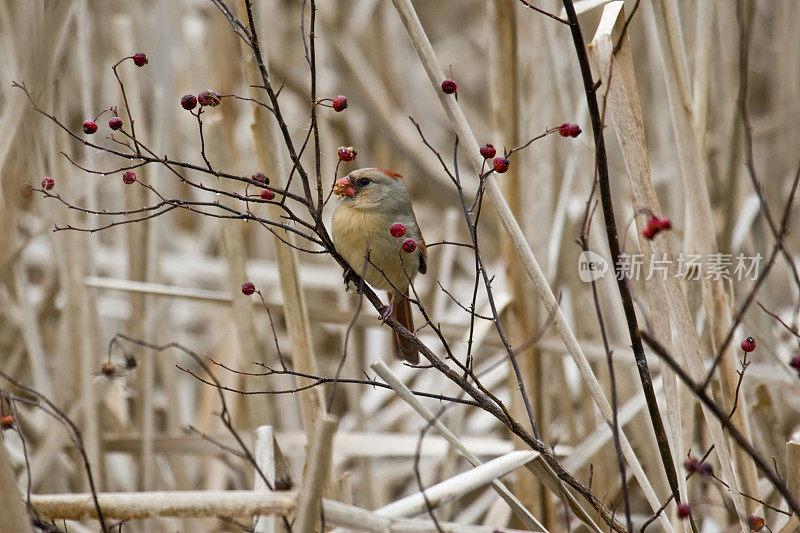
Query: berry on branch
column 115, row 123
column 449, row 87
column 48, row 183
column 569, row 129
column 209, row 98
column 488, row 151
column 397, row 229
column 347, row 153
column 89, row 127
column 248, row 288
column 139, row 59
column 340, row 103
column 500, row 164
column 749, row 344
column 188, row 102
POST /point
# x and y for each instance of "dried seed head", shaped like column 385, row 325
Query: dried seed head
column 347, row 153
column 209, row 98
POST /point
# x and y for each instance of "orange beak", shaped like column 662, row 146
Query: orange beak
column 343, row 187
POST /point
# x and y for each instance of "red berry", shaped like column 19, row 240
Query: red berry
column 663, row 222
column 449, row 86
column 115, row 123
column 89, row 127
column 500, row 164
column 267, row 194
column 139, row 59
column 48, row 183
column 209, row 98
column 347, row 153
column 188, row 102
column 684, row 509
column 248, row 288
column 129, row 177
column 568, row 129
column 397, row 229
column 652, row 228
column 756, row 523
column 340, row 103
column 794, row 362
column 488, row 151
column 409, row 245
column 749, row 344
column 6, row 421
column 260, row 177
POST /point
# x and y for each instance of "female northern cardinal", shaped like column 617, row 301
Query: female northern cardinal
column 372, row 199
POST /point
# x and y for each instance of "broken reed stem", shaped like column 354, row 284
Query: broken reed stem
column 318, row 468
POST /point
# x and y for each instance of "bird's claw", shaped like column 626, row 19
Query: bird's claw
column 346, row 277
column 386, row 312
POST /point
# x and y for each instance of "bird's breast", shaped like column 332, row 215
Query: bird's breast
column 354, row 231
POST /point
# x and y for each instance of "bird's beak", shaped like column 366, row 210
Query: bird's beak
column 343, row 187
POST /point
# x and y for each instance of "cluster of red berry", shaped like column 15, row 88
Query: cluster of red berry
column 397, row 230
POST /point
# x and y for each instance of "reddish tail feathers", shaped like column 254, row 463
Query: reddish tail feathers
column 401, row 311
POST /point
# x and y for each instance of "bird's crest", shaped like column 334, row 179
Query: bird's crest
column 391, row 174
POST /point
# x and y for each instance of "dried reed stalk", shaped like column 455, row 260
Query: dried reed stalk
column 317, row 472
column 232, row 503
column 14, row 516
column 622, row 102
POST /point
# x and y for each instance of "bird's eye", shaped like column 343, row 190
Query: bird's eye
column 364, row 182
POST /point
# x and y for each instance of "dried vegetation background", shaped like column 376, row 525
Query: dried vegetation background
column 176, row 278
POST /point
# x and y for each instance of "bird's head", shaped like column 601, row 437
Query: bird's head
column 368, row 188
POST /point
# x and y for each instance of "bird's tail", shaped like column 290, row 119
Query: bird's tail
column 401, row 311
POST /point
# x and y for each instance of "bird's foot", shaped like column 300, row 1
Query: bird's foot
column 347, row 276
column 386, row 312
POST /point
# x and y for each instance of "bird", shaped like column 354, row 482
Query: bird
column 371, row 201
